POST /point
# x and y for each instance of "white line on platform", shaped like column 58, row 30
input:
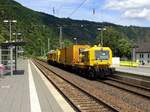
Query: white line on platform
column 34, row 101
column 60, row 100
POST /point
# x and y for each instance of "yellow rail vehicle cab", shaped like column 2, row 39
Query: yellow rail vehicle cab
column 97, row 59
column 97, row 56
column 102, row 56
column 53, row 56
column 50, row 55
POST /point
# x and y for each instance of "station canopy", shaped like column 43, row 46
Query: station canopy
column 7, row 44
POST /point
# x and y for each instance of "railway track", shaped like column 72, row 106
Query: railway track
column 80, row 99
column 128, row 86
column 105, row 96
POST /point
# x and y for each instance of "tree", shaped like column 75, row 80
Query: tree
column 117, row 41
column 2, row 39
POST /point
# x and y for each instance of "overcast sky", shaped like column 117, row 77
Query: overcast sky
column 124, row 12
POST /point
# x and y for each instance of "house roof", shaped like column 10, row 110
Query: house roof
column 143, row 47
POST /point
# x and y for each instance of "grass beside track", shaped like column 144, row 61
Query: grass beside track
column 129, row 63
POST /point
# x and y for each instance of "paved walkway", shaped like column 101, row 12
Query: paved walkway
column 30, row 91
column 135, row 70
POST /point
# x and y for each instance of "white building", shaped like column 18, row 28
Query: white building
column 142, row 53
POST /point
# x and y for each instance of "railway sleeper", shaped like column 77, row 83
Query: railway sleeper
column 90, row 108
column 88, row 103
column 79, row 99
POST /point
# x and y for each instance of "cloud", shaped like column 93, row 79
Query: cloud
column 132, row 9
column 123, row 12
column 127, row 4
column 134, row 13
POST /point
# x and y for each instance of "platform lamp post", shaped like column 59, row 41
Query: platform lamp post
column 134, row 52
column 16, row 36
column 40, row 42
column 11, row 47
column 60, row 37
column 10, row 26
column 101, row 39
column 16, row 50
column 75, row 39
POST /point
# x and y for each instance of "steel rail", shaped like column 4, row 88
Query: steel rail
column 38, row 64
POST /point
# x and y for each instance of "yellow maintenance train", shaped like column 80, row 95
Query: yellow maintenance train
column 83, row 59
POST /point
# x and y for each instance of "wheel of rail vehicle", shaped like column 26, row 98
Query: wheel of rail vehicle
column 105, row 72
column 101, row 73
column 111, row 71
column 91, row 74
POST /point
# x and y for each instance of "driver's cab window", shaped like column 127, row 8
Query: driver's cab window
column 85, row 56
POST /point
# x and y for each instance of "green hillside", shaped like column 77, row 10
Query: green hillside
column 37, row 27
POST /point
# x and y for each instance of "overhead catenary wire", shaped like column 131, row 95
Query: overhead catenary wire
column 74, row 11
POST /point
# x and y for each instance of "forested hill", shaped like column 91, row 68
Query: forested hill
column 37, row 27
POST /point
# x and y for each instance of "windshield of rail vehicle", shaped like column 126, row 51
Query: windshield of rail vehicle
column 101, row 55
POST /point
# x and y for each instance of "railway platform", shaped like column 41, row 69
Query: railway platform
column 142, row 71
column 29, row 91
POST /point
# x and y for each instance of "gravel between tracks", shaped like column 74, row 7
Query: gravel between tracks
column 145, row 92
column 127, row 97
column 118, row 98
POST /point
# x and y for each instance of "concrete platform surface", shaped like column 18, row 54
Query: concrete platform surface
column 145, row 71
column 29, row 91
